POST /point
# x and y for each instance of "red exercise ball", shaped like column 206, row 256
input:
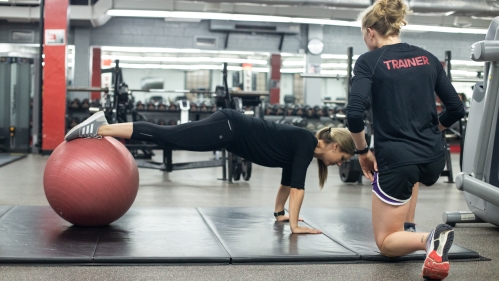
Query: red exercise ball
column 91, row 182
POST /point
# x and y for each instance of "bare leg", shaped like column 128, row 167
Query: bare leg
column 121, row 130
column 389, row 233
column 412, row 204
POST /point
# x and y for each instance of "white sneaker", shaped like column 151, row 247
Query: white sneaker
column 87, row 128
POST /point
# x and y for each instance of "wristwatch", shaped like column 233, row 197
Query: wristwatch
column 281, row 213
column 363, row 151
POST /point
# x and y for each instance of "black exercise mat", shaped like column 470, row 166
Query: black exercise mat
column 38, row 235
column 251, row 235
column 160, row 235
column 9, row 158
column 352, row 228
column 189, row 235
column 4, row 209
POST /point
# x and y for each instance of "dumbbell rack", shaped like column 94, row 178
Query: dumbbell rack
column 312, row 118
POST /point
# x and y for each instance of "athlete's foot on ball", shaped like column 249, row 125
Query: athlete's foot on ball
column 88, row 128
column 285, row 219
column 305, row 230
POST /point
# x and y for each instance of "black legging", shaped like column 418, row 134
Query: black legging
column 212, row 133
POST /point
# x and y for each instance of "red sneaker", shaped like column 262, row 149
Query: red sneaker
column 436, row 265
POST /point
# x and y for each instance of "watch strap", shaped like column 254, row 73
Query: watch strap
column 281, row 213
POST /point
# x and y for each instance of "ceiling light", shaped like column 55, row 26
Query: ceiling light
column 292, row 70
column 167, row 66
column 463, row 73
column 467, row 63
column 291, row 55
column 260, row 69
column 339, row 57
column 334, row 72
column 235, row 68
column 262, row 18
column 185, row 67
column 148, row 50
column 334, row 65
column 183, row 59
column 293, row 63
column 173, row 50
column 325, row 22
column 226, row 16
column 139, row 13
column 429, row 28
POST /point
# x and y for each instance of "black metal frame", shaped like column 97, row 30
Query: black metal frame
column 230, row 162
column 167, row 163
column 448, row 162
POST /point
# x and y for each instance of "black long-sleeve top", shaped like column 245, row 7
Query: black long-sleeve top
column 400, row 82
column 273, row 145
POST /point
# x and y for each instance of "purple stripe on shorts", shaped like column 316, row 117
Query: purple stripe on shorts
column 380, row 194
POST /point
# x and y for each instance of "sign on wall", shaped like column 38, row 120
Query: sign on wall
column 55, row 37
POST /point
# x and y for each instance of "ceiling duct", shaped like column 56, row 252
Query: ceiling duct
column 482, row 8
column 330, row 3
column 256, row 27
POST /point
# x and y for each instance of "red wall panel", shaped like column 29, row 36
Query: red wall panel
column 54, row 75
column 275, row 78
column 96, row 72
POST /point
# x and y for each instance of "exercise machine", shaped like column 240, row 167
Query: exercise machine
column 479, row 179
column 15, row 103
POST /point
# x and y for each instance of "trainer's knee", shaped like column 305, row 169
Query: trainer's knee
column 380, row 242
column 386, row 252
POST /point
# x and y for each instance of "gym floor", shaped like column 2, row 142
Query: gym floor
column 22, row 184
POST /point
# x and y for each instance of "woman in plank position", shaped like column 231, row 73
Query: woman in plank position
column 400, row 81
column 260, row 141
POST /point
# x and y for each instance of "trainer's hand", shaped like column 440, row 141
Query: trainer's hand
column 368, row 164
column 302, row 229
column 285, row 218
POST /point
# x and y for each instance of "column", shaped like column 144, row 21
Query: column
column 275, row 78
column 313, row 86
column 54, row 74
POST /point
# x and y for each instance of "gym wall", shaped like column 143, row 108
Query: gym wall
column 146, row 32
column 158, row 33
column 143, row 32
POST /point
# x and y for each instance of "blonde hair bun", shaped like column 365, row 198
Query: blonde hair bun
column 385, row 16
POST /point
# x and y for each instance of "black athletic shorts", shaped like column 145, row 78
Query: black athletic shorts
column 394, row 186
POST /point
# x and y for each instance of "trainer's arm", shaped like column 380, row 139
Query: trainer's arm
column 295, row 200
column 454, row 108
column 358, row 100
